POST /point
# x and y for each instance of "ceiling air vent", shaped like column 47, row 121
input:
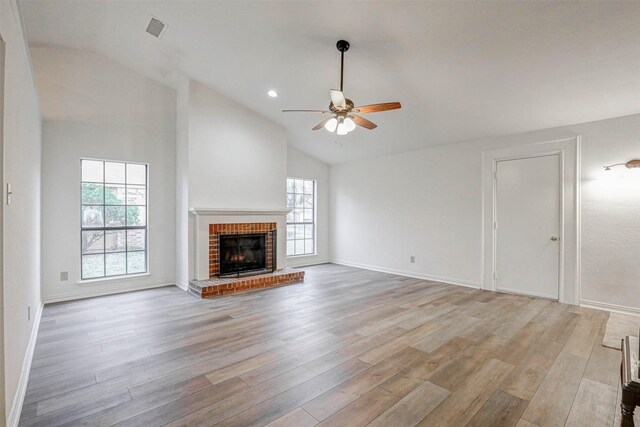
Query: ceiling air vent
column 156, row 27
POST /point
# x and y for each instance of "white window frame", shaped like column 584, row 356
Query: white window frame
column 124, row 228
column 292, row 222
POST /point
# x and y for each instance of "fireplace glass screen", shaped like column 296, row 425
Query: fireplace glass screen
column 242, row 253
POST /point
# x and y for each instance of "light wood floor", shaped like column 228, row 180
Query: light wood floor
column 348, row 347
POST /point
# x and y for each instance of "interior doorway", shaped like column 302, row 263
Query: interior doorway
column 528, row 225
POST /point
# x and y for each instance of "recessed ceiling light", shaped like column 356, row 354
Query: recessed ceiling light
column 272, row 93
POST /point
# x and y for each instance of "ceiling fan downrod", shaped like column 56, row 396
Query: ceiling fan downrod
column 342, row 47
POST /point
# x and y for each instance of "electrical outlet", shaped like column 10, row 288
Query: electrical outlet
column 29, row 313
column 413, row 259
column 64, row 275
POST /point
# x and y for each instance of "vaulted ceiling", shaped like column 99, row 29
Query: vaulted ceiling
column 462, row 70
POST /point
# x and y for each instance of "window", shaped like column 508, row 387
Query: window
column 113, row 218
column 301, row 221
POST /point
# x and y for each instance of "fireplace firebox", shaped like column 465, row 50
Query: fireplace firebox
column 242, row 249
column 246, row 254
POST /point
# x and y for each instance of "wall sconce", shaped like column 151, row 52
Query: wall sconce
column 629, row 165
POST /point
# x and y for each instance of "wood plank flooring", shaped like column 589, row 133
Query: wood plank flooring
column 347, row 347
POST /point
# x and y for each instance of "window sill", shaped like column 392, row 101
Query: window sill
column 301, row 256
column 112, row 279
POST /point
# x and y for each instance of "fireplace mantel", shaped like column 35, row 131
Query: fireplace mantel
column 228, row 212
column 201, row 218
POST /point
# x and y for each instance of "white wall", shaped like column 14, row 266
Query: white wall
column 428, row 203
column 610, row 211
column 182, row 185
column 301, row 165
column 237, row 158
column 96, row 108
column 2, row 333
column 21, row 223
column 424, row 203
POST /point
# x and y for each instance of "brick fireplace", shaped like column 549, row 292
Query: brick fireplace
column 252, row 279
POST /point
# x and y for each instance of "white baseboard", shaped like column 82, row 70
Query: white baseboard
column 182, row 286
column 309, row 264
column 447, row 280
column 13, row 417
column 610, row 307
column 101, row 292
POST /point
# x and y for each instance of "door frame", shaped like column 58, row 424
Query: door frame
column 559, row 157
column 568, row 150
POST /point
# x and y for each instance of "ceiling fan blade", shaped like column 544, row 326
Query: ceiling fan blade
column 375, row 108
column 321, row 124
column 361, row 121
column 306, row 111
column 337, row 99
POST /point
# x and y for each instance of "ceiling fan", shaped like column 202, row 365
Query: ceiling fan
column 343, row 118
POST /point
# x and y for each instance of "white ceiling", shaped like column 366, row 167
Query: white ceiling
column 462, row 70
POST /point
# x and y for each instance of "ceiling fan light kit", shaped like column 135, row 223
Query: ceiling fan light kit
column 342, row 110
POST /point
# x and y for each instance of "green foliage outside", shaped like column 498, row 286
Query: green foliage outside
column 93, row 193
column 114, row 216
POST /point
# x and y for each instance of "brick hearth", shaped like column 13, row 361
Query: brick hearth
column 228, row 285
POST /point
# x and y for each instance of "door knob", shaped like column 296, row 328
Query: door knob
column 554, row 238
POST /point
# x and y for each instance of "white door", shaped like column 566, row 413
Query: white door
column 528, row 226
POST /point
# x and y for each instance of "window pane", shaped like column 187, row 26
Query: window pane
column 115, row 241
column 114, row 172
column 136, row 195
column 92, row 171
column 136, row 262
column 92, row 242
column 92, row 194
column 92, row 216
column 308, row 215
column 307, row 200
column 92, row 266
column 136, row 240
column 301, row 219
column 116, row 264
column 114, row 194
column 308, row 187
column 136, row 215
column 136, row 174
column 114, row 216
